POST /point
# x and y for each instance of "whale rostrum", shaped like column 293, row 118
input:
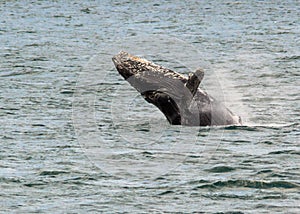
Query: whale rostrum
column 178, row 97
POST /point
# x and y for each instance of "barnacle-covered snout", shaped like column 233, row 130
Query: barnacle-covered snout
column 121, row 63
column 128, row 65
column 144, row 75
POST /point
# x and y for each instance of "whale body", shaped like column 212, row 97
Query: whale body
column 178, row 97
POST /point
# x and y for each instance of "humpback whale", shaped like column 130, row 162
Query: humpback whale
column 178, row 97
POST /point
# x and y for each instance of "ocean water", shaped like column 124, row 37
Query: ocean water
column 76, row 138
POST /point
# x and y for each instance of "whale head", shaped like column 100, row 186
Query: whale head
column 158, row 85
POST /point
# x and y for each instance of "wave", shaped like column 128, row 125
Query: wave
column 249, row 184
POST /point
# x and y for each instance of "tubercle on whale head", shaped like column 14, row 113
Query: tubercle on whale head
column 144, row 75
column 128, row 65
column 120, row 64
column 158, row 85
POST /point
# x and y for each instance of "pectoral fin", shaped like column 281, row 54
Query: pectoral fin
column 194, row 81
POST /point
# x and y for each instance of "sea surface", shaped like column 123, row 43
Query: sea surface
column 76, row 138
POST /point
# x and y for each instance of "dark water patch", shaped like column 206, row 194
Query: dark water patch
column 264, row 171
column 278, row 175
column 5, row 137
column 245, row 128
column 195, row 182
column 288, row 58
column 67, row 92
column 250, row 184
column 38, row 125
column 27, row 31
column 10, row 180
column 18, row 73
column 148, row 21
column 224, row 196
column 241, row 141
column 32, row 45
column 87, row 178
column 61, row 16
column 277, row 208
column 143, row 129
column 9, row 109
column 230, row 212
column 66, row 147
column 35, row 184
column 193, row 156
column 167, row 192
column 147, row 153
column 77, row 182
column 43, row 59
column 86, row 10
column 264, row 127
column 272, row 75
column 160, row 178
column 267, row 142
column 52, row 173
column 220, row 169
column 273, row 196
column 284, row 152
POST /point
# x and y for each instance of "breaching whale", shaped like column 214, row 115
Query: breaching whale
column 178, row 97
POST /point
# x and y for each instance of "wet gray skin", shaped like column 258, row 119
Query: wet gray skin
column 177, row 97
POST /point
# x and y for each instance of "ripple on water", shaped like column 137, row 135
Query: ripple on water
column 250, row 184
column 252, row 168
